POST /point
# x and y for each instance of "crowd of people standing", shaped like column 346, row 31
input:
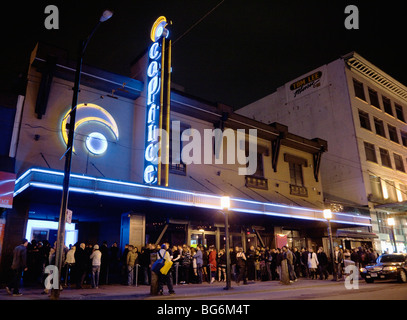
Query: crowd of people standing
column 87, row 264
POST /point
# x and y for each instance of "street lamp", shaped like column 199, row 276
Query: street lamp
column 328, row 217
column 391, row 222
column 225, row 205
column 106, row 15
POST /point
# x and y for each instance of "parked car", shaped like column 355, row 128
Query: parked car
column 387, row 266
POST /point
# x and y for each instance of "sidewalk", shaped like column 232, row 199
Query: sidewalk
column 191, row 291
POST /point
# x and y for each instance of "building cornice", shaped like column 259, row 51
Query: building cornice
column 373, row 73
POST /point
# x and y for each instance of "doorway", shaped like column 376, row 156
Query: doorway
column 202, row 238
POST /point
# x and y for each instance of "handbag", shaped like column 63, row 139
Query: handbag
column 167, row 266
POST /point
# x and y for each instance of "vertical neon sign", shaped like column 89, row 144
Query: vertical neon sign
column 156, row 152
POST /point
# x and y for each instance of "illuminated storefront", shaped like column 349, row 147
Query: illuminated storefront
column 116, row 192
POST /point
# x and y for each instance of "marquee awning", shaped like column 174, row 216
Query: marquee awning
column 394, row 207
column 356, row 235
column 52, row 179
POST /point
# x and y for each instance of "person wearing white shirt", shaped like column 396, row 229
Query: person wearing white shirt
column 312, row 263
column 69, row 262
column 96, row 257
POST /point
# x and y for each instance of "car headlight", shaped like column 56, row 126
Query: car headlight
column 363, row 270
column 390, row 269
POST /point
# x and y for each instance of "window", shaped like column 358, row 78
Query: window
column 374, row 99
column 387, row 106
column 359, row 90
column 403, row 191
column 384, row 228
column 399, row 112
column 296, row 164
column 257, row 180
column 376, row 188
column 370, row 152
column 364, row 120
column 393, row 134
column 389, row 190
column 385, row 158
column 259, row 171
column 404, row 138
column 296, row 177
column 392, row 258
column 398, row 161
column 382, row 222
column 379, row 126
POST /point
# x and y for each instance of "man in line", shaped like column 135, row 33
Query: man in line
column 18, row 266
column 338, row 256
column 164, row 253
column 323, row 264
column 290, row 263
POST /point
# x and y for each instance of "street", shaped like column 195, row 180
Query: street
column 303, row 289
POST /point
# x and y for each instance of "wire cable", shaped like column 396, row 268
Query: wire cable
column 198, row 22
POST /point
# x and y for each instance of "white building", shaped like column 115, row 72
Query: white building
column 361, row 111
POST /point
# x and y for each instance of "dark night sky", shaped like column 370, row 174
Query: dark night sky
column 240, row 52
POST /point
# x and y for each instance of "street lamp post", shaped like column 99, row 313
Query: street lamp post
column 225, row 204
column 391, row 223
column 107, row 14
column 328, row 217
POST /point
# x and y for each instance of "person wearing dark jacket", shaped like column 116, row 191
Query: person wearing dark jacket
column 145, row 262
column 104, row 264
column 81, row 265
column 241, row 262
column 304, row 262
column 323, row 264
column 251, row 270
column 338, row 256
column 355, row 257
column 18, row 266
column 233, row 262
column 273, row 264
column 297, row 264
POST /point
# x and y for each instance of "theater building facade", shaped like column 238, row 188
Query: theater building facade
column 276, row 192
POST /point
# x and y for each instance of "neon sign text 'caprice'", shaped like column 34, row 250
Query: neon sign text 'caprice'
column 157, row 103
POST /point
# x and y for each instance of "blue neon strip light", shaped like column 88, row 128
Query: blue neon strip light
column 171, row 196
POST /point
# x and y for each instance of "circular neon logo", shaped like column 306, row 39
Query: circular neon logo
column 87, row 113
column 96, row 143
column 158, row 29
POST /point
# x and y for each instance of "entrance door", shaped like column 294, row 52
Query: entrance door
column 196, row 239
column 204, row 239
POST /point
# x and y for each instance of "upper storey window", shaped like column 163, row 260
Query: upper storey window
column 359, row 90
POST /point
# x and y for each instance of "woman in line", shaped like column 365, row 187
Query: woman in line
column 312, row 263
column 241, row 263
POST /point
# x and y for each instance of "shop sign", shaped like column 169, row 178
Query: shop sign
column 155, row 103
column 307, row 84
column 281, row 240
column 7, row 182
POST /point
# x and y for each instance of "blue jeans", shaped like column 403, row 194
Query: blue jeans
column 95, row 276
column 165, row 279
column 130, row 277
column 199, row 269
column 15, row 280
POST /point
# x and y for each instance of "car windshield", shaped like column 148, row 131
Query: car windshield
column 392, row 258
